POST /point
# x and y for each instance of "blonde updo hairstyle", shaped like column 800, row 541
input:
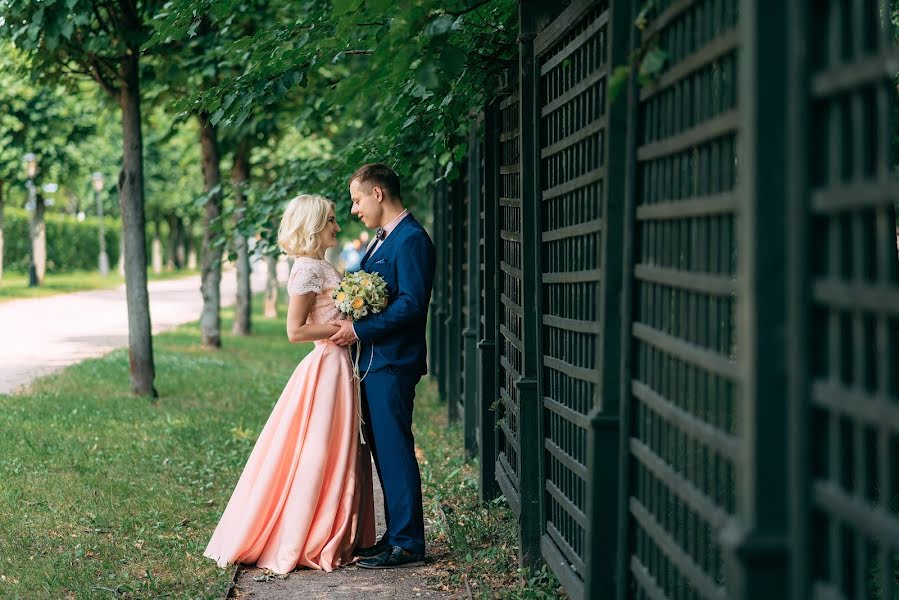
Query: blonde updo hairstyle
column 304, row 218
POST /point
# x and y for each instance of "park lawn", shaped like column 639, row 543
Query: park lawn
column 15, row 285
column 106, row 495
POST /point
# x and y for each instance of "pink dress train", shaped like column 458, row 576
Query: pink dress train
column 305, row 494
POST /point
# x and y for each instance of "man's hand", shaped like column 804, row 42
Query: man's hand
column 346, row 335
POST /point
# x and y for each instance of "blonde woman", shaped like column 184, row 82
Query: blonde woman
column 305, row 495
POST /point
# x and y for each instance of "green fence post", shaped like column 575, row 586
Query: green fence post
column 443, row 288
column 756, row 543
column 435, row 317
column 454, row 321
column 533, row 15
column 489, row 363
column 470, row 333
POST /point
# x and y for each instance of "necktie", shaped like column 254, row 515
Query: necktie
column 381, row 234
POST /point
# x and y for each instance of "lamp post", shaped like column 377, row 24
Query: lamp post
column 30, row 161
column 97, row 180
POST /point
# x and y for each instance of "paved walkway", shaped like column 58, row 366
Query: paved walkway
column 346, row 582
column 42, row 335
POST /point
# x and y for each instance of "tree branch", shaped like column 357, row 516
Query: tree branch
column 477, row 5
column 104, row 26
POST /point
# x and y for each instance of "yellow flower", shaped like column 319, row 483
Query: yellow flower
column 341, row 296
column 366, row 282
column 358, row 303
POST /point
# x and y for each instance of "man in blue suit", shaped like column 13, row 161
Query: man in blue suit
column 393, row 343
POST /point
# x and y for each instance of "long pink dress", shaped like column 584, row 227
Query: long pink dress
column 305, row 494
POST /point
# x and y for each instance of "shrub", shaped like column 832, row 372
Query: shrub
column 71, row 244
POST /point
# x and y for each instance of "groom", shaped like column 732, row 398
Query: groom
column 394, row 342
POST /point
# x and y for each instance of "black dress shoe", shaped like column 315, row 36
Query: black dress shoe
column 393, row 557
column 370, row 551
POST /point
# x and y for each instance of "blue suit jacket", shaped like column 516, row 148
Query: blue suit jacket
column 396, row 337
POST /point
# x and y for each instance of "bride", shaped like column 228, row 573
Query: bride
column 305, row 494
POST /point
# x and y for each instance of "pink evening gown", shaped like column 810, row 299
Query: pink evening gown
column 305, row 494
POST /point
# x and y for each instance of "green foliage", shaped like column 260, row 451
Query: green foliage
column 71, row 245
column 647, row 61
column 63, row 127
column 70, row 40
column 315, row 87
column 380, row 80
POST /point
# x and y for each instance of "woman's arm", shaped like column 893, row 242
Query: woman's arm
column 297, row 329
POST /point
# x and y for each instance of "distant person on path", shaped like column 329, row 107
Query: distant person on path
column 305, row 496
column 352, row 256
column 394, row 339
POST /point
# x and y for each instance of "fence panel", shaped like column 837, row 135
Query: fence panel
column 462, row 201
column 683, row 446
column 472, row 298
column 489, row 325
column 852, row 313
column 510, row 293
column 698, row 364
column 439, row 342
column 456, row 217
column 572, row 58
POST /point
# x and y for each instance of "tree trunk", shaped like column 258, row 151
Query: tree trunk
column 240, row 175
column 172, row 243
column 39, row 238
column 183, row 228
column 1, row 229
column 157, row 248
column 270, row 309
column 134, row 237
column 211, row 253
column 191, row 256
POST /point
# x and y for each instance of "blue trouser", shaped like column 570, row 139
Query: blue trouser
column 388, row 396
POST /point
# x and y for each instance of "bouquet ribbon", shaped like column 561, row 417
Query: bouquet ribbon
column 357, row 381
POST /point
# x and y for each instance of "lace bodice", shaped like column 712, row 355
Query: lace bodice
column 319, row 276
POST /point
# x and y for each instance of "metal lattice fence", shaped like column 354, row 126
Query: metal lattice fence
column 510, row 315
column 573, row 67
column 684, row 387
column 688, row 317
column 853, row 311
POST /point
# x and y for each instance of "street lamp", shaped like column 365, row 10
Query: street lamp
column 97, row 180
column 30, row 161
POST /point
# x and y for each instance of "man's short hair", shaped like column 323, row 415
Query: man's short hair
column 380, row 175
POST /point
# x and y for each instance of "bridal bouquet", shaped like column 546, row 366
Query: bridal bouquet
column 361, row 293
column 358, row 295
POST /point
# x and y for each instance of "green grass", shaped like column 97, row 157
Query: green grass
column 15, row 285
column 107, row 495
column 476, row 545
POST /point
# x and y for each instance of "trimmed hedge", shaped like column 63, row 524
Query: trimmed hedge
column 71, row 245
